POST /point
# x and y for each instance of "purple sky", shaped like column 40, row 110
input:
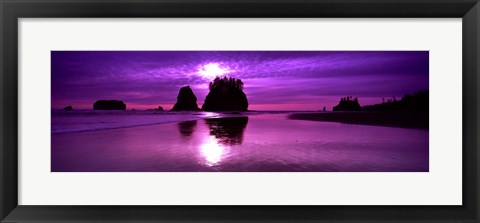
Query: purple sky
column 274, row 80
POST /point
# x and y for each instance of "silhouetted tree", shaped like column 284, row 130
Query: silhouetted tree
column 229, row 82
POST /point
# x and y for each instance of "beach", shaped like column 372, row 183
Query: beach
column 245, row 142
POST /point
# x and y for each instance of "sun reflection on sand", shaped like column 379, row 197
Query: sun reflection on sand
column 223, row 134
column 211, row 114
column 212, row 151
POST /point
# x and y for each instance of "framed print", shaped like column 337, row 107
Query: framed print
column 239, row 111
column 244, row 126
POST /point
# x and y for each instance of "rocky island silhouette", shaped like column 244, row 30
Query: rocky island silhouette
column 186, row 100
column 226, row 94
column 109, row 105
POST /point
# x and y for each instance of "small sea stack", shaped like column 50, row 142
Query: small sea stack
column 68, row 108
column 186, row 100
column 226, row 94
column 109, row 105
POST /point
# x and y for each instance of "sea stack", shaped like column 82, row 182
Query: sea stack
column 226, row 94
column 109, row 105
column 186, row 100
column 68, row 108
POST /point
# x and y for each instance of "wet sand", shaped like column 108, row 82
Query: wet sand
column 391, row 119
column 259, row 143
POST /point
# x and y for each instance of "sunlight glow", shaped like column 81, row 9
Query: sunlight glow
column 212, row 151
column 212, row 115
column 212, row 70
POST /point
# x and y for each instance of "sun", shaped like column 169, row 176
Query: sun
column 212, row 70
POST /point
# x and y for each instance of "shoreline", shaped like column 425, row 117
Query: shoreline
column 386, row 119
column 414, row 120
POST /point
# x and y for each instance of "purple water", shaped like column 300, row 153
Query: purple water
column 192, row 142
column 88, row 120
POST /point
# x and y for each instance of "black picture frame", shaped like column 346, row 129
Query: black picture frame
column 12, row 10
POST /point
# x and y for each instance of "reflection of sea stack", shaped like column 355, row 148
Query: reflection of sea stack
column 348, row 104
column 228, row 131
column 186, row 100
column 109, row 105
column 187, row 128
column 226, row 94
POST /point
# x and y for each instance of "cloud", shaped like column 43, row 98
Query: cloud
column 270, row 77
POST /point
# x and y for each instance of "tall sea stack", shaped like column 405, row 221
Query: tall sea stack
column 226, row 94
column 186, row 100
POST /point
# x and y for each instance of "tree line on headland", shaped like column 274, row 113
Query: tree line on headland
column 417, row 102
column 409, row 112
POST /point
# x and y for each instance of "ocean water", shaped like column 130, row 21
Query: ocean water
column 90, row 120
column 141, row 141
